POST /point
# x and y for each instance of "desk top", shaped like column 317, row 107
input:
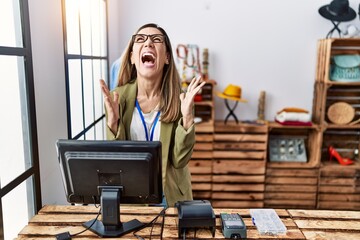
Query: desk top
column 301, row 224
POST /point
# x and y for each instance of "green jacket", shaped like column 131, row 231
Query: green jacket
column 177, row 147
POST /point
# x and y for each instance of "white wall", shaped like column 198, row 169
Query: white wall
column 259, row 45
column 49, row 78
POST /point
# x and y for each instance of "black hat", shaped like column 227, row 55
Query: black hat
column 338, row 10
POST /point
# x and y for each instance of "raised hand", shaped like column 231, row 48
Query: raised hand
column 187, row 101
column 111, row 105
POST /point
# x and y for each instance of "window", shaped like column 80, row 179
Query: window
column 20, row 196
column 86, row 62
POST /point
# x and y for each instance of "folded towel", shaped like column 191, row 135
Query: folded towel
column 292, row 116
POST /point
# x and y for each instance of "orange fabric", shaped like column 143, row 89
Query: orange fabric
column 293, row 109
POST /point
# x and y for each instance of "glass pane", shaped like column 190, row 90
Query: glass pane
column 98, row 98
column 98, row 27
column 95, row 27
column 103, row 34
column 14, row 124
column 75, row 87
column 10, row 24
column 101, row 130
column 87, row 18
column 72, row 26
column 90, row 135
column 85, row 25
column 98, row 130
column 104, row 70
column 88, row 92
column 17, row 208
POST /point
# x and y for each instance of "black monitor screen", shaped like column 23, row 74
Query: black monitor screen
column 105, row 172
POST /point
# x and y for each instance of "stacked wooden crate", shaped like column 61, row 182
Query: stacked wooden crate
column 292, row 184
column 291, row 188
column 230, row 160
column 339, row 187
column 238, row 165
column 201, row 166
column 201, row 160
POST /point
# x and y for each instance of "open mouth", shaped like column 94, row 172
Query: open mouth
column 148, row 58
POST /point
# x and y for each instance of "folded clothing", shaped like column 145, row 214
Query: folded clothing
column 293, row 117
column 293, row 109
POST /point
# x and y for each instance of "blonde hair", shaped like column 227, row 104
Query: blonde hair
column 170, row 84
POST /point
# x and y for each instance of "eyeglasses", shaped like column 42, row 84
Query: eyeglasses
column 155, row 38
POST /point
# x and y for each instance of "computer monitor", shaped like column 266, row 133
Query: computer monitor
column 110, row 173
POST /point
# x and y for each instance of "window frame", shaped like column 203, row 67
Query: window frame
column 82, row 57
column 33, row 172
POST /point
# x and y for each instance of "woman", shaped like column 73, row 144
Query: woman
column 148, row 105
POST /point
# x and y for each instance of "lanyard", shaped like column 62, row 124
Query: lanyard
column 144, row 124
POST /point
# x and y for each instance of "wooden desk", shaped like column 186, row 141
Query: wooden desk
column 301, row 224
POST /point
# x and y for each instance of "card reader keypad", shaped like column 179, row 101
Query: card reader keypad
column 232, row 220
column 232, row 225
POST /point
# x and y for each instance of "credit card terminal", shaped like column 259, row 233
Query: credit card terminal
column 233, row 226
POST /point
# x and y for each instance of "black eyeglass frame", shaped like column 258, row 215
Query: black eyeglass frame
column 153, row 37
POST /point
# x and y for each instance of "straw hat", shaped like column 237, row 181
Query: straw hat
column 232, row 92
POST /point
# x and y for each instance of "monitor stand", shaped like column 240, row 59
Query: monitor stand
column 111, row 226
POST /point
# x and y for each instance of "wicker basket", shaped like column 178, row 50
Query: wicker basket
column 341, row 113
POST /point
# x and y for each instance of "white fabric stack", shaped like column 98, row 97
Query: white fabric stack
column 293, row 116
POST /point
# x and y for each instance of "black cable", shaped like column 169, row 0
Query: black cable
column 152, row 227
column 151, row 223
column 162, row 214
column 97, row 216
column 68, row 236
column 94, row 199
column 162, row 226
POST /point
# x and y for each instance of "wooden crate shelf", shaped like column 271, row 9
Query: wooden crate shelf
column 339, row 187
column 344, row 138
column 201, row 166
column 204, row 109
column 294, row 188
column 232, row 167
column 238, row 165
column 312, row 137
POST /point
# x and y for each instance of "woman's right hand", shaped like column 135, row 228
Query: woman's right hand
column 111, row 105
